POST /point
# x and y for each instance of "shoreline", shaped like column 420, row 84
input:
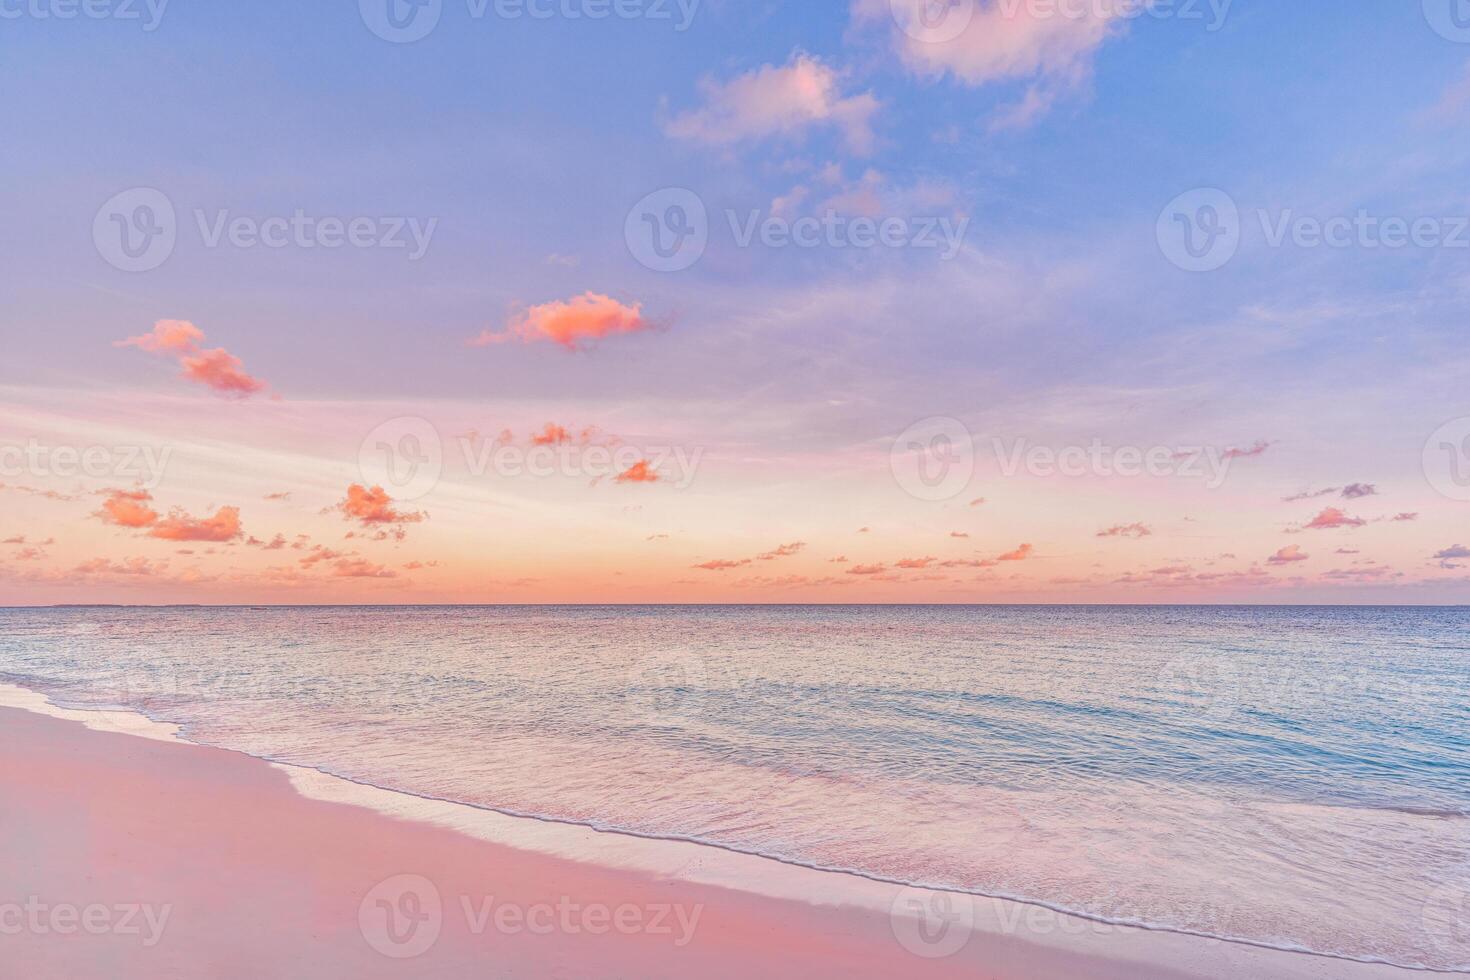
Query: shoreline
column 806, row 920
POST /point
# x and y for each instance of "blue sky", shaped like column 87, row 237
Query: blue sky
column 526, row 141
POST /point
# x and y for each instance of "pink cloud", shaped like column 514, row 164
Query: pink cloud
column 915, row 562
column 1332, row 518
column 1258, row 448
column 128, row 508
column 216, row 369
column 640, row 472
column 360, row 568
column 128, row 566
column 980, row 43
column 1020, row 554
column 778, row 101
column 722, row 564
column 171, row 336
column 178, row 526
column 372, row 505
column 222, row 371
column 1126, row 531
column 571, row 323
column 878, row 569
column 1288, row 555
column 782, row 551
column 552, row 435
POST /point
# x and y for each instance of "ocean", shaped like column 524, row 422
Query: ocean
column 1296, row 777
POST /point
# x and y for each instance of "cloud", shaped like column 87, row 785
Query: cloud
column 778, row 101
column 959, row 534
column 1020, row 554
column 372, row 506
column 128, row 566
column 222, row 371
column 878, row 569
column 915, row 562
column 1406, row 516
column 640, row 472
column 722, row 564
column 283, row 495
column 171, row 336
column 179, row 526
column 1353, row 491
column 978, row 501
column 552, row 435
column 570, row 323
column 1257, row 449
column 1288, row 555
column 980, row 44
column 216, row 368
column 1309, row 495
column 969, row 563
column 360, row 568
column 128, row 508
column 1126, row 531
column 1454, row 551
column 1332, row 518
column 782, row 551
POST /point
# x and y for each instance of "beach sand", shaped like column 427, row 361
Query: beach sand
column 125, row 853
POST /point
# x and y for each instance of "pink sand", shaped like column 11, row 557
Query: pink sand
column 258, row 881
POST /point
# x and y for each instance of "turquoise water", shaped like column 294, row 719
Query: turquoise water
column 1297, row 777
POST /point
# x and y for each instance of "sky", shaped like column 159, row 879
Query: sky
column 722, row 301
